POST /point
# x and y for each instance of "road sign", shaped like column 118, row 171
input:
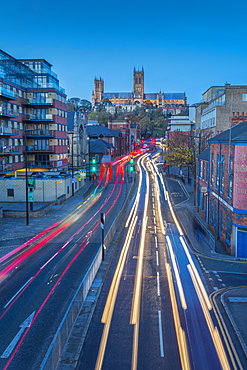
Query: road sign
column 30, row 195
column 31, row 182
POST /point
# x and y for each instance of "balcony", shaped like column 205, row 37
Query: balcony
column 40, row 148
column 45, row 101
column 40, row 117
column 5, row 131
column 6, row 93
column 6, row 167
column 43, row 164
column 39, row 133
column 5, row 112
column 9, row 150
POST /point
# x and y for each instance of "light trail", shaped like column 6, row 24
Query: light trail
column 213, row 329
column 21, row 291
column 83, row 244
column 181, row 337
column 204, row 300
column 112, row 295
column 136, row 302
column 175, row 268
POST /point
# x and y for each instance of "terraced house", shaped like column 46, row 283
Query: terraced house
column 33, row 117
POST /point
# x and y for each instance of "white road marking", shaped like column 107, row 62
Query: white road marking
column 155, row 240
column 17, row 293
column 161, row 336
column 157, row 258
column 27, row 323
column 158, row 283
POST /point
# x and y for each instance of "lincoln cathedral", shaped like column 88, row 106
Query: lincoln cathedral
column 170, row 102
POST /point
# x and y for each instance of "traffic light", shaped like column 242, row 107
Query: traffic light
column 93, row 169
column 93, row 161
column 132, row 160
column 131, row 168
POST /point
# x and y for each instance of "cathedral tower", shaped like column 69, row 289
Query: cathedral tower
column 98, row 91
column 138, row 85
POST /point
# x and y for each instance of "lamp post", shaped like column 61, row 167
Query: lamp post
column 72, row 169
column 27, row 213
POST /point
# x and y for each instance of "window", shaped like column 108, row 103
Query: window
column 212, row 169
column 228, row 229
column 230, row 178
column 220, row 222
column 244, row 97
column 222, row 173
column 201, row 201
column 10, row 192
column 218, row 172
column 199, row 168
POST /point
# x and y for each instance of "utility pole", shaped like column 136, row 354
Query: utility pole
column 72, row 159
column 102, row 224
column 27, row 214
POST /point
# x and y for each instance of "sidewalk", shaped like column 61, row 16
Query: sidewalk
column 14, row 231
column 234, row 300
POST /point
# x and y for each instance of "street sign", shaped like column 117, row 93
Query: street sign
column 30, row 195
column 31, row 182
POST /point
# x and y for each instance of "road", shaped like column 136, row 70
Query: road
column 38, row 281
column 154, row 311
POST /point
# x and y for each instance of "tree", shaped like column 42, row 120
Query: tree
column 181, row 151
column 101, row 117
column 78, row 105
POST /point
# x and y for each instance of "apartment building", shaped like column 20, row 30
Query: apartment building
column 221, row 108
column 33, row 117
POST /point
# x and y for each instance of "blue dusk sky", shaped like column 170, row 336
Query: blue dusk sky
column 183, row 46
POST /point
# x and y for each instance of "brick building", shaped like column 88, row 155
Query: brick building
column 131, row 133
column 221, row 108
column 33, row 116
column 221, row 188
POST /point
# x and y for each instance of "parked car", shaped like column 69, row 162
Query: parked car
column 65, row 174
column 56, row 177
column 39, row 175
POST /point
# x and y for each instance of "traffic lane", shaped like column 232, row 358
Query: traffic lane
column 58, row 275
column 199, row 339
column 176, row 191
column 85, row 213
column 50, row 295
column 62, row 243
column 230, row 313
column 158, row 344
column 91, row 346
column 118, row 352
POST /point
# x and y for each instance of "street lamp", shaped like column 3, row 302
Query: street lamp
column 27, row 214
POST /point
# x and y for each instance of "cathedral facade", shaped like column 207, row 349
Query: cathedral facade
column 172, row 102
